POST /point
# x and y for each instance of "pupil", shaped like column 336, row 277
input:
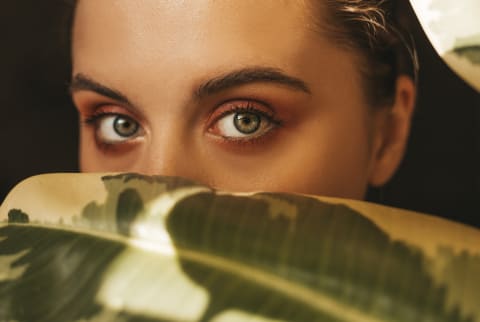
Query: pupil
column 125, row 127
column 246, row 123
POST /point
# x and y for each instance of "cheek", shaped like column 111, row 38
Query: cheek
column 94, row 160
column 326, row 166
column 339, row 158
column 89, row 159
column 338, row 155
column 323, row 156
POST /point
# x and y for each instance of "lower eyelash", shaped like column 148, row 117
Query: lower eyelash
column 252, row 140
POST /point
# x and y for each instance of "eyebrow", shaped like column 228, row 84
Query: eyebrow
column 248, row 76
column 81, row 82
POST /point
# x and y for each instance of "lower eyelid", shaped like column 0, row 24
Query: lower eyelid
column 244, row 142
column 117, row 147
column 235, row 145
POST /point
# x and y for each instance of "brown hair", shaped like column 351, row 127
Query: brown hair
column 373, row 29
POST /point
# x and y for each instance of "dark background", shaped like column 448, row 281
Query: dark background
column 440, row 173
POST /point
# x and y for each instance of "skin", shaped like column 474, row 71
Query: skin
column 153, row 61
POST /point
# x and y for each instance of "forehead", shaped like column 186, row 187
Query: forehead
column 182, row 29
column 241, row 16
column 142, row 46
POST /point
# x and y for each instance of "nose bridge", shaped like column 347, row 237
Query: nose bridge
column 168, row 153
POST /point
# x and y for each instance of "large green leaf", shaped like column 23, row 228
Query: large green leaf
column 86, row 247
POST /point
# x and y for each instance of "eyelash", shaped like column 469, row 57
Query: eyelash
column 250, row 108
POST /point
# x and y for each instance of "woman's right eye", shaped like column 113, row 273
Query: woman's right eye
column 115, row 128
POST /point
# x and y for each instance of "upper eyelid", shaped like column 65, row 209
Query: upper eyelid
column 97, row 116
column 246, row 100
column 244, row 104
column 245, row 109
column 96, row 105
column 106, row 109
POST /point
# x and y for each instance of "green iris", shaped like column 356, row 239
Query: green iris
column 246, row 123
column 124, row 126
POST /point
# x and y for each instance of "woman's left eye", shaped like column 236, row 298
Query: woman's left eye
column 243, row 124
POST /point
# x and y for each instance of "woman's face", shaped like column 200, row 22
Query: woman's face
column 239, row 95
